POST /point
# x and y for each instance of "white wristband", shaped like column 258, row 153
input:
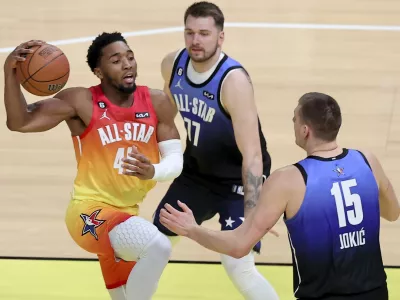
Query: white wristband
column 171, row 163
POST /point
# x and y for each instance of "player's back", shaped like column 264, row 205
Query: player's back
column 211, row 149
column 335, row 234
column 110, row 136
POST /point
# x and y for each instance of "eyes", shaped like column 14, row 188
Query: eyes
column 117, row 60
column 202, row 33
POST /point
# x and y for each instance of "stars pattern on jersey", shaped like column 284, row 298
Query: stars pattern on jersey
column 91, row 223
column 229, row 222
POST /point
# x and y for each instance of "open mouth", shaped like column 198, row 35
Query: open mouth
column 129, row 78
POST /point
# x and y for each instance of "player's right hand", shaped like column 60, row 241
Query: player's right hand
column 19, row 53
column 179, row 222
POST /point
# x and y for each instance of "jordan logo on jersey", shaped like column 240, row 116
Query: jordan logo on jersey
column 128, row 131
column 104, row 116
column 91, row 223
column 179, row 85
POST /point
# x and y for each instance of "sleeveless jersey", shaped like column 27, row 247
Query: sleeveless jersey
column 112, row 132
column 334, row 237
column 211, row 151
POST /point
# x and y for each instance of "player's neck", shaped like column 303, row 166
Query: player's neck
column 323, row 149
column 201, row 67
column 117, row 97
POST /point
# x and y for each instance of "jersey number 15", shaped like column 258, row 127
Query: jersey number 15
column 354, row 216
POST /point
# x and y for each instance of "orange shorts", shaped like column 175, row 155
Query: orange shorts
column 89, row 223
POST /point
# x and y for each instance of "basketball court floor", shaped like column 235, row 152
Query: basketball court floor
column 348, row 49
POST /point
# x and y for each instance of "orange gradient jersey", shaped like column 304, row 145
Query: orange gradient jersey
column 112, row 132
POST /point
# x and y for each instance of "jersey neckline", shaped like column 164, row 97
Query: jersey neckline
column 340, row 156
column 110, row 103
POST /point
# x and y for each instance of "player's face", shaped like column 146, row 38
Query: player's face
column 202, row 38
column 301, row 130
column 118, row 67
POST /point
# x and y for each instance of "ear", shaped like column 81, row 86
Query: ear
column 306, row 131
column 221, row 37
column 98, row 73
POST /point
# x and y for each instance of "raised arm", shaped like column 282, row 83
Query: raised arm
column 238, row 100
column 388, row 202
column 39, row 116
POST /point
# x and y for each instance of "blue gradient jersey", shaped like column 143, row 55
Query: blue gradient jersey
column 335, row 234
column 211, row 150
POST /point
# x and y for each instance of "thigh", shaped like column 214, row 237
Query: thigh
column 115, row 271
column 193, row 194
column 89, row 222
column 231, row 214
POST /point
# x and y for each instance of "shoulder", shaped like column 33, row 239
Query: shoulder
column 168, row 62
column 74, row 94
column 237, row 77
column 287, row 178
column 162, row 104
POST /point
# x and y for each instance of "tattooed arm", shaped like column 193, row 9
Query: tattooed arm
column 238, row 101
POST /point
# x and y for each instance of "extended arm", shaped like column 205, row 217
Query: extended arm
column 278, row 190
column 238, row 99
column 40, row 116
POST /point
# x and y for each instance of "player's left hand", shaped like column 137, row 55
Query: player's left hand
column 177, row 221
column 137, row 164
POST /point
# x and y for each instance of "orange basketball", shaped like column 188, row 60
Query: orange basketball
column 45, row 71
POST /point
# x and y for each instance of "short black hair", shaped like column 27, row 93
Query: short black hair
column 205, row 9
column 322, row 113
column 102, row 40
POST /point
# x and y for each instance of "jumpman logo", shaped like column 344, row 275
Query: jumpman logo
column 104, row 115
column 179, row 84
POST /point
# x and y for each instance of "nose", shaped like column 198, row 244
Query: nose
column 196, row 39
column 126, row 64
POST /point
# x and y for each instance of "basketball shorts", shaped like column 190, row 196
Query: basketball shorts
column 380, row 293
column 89, row 223
column 205, row 204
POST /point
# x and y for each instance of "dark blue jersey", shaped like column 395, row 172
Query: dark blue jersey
column 211, row 150
column 335, row 234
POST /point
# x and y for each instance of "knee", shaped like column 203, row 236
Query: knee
column 161, row 246
column 238, row 266
column 135, row 237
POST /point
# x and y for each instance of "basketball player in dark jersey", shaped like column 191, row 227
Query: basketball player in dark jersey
column 111, row 123
column 226, row 155
column 332, row 202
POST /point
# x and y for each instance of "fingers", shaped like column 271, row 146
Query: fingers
column 184, row 207
column 135, row 154
column 172, row 210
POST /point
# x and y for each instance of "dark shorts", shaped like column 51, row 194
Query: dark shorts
column 205, row 204
column 376, row 294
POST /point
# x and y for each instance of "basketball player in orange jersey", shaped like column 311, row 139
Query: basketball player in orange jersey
column 119, row 131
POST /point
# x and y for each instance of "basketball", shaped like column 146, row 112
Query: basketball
column 45, row 71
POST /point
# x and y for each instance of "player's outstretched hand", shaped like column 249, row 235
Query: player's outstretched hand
column 137, row 164
column 19, row 53
column 177, row 221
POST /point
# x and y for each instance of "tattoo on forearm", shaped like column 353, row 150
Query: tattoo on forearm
column 252, row 188
column 33, row 106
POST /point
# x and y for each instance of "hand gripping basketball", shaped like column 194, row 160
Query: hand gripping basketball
column 20, row 52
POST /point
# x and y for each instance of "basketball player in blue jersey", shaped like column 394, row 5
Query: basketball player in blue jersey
column 332, row 202
column 226, row 155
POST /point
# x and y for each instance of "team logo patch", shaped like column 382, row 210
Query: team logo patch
column 339, row 170
column 101, row 104
column 91, row 223
column 142, row 115
column 208, row 95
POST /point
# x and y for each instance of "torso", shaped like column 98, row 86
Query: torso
column 102, row 135
column 211, row 150
column 333, row 225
